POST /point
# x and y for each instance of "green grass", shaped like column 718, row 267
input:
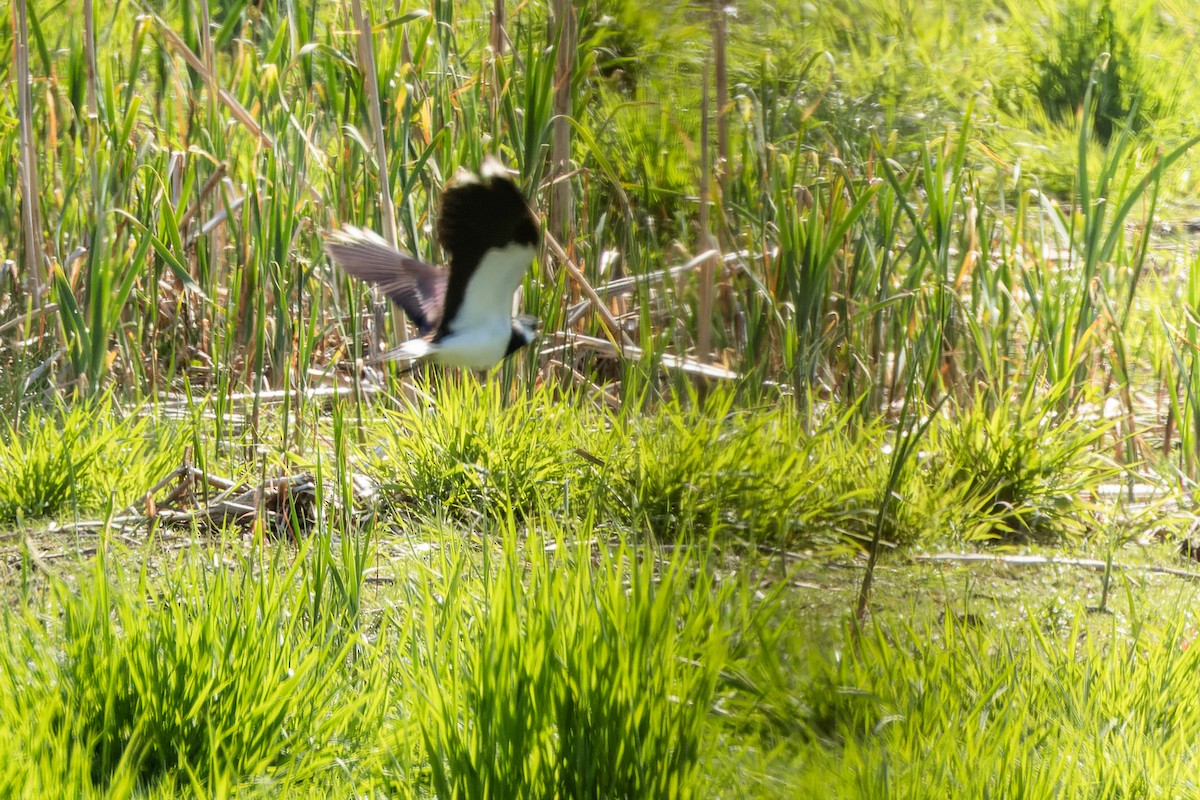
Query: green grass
column 572, row 663
column 81, row 461
column 965, row 712
column 954, row 319
column 428, row 643
column 489, row 673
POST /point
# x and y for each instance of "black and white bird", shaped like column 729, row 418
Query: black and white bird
column 464, row 315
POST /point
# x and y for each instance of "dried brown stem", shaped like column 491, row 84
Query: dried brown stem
column 611, row 326
column 366, row 65
column 30, row 215
column 1097, row 564
column 568, row 341
column 229, row 101
column 562, row 201
column 704, row 312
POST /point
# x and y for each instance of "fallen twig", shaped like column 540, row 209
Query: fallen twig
column 1049, row 561
column 619, row 337
column 173, row 403
column 567, row 341
column 623, row 286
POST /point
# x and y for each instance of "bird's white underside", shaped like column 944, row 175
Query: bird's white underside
column 477, row 347
column 482, row 327
column 488, row 300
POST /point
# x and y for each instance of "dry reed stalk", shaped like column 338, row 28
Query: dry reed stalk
column 28, row 157
column 562, row 200
column 366, row 65
column 209, row 185
column 627, row 285
column 229, row 101
column 1096, row 564
column 566, row 340
column 721, row 79
column 496, row 34
column 704, row 313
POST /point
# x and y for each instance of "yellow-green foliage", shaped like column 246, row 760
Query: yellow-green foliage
column 82, row 460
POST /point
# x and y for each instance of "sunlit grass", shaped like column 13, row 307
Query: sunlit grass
column 964, row 710
column 81, row 461
column 575, row 663
column 772, row 476
column 943, row 297
column 473, row 673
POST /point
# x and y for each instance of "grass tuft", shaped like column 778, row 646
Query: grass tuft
column 80, row 460
column 586, row 673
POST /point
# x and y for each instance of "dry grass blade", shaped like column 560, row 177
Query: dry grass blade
column 237, row 109
column 216, row 220
column 209, row 185
column 623, row 286
column 13, row 324
column 1096, row 564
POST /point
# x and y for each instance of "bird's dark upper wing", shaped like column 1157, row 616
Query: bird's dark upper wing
column 490, row 235
column 417, row 287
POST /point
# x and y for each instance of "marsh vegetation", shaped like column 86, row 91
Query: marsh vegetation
column 825, row 291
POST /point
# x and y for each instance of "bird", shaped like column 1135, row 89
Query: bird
column 464, row 313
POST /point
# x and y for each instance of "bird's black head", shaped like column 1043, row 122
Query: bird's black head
column 482, row 212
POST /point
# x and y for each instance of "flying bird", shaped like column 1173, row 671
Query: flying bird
column 464, row 314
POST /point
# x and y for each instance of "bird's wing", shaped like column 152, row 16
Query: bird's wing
column 417, row 287
column 487, row 296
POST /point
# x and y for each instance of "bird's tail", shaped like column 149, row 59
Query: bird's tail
column 411, row 350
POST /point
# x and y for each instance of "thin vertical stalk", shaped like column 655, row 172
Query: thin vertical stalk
column 721, row 81
column 493, row 64
column 910, row 428
column 366, row 64
column 210, row 58
column 704, row 313
column 496, row 34
column 89, row 54
column 561, row 199
column 28, row 157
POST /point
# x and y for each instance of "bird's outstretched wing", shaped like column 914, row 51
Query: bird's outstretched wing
column 417, row 287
